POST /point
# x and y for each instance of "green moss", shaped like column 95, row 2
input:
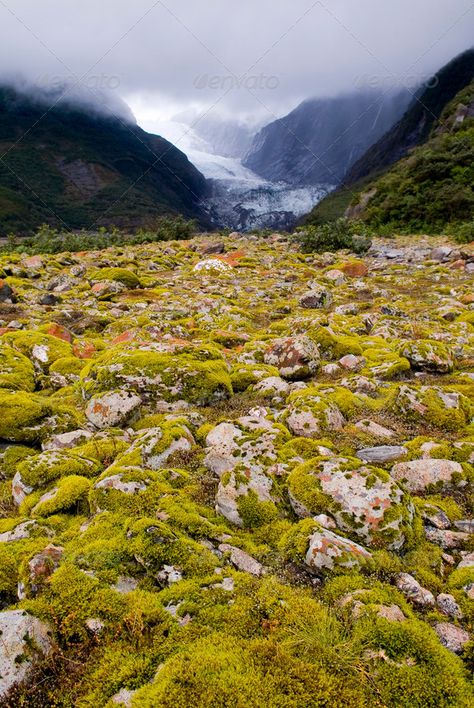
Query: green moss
column 22, row 416
column 254, row 512
column 244, row 375
column 42, row 348
column 221, row 671
column 69, row 493
column 384, row 364
column 13, row 455
column 157, row 545
column 16, row 371
column 119, row 275
column 427, row 404
column 294, row 544
column 334, row 346
column 306, row 489
column 67, row 366
column 460, row 577
column 418, row 670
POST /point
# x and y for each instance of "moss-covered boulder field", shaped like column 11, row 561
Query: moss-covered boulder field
column 236, row 474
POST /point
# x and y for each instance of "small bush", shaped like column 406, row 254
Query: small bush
column 465, row 232
column 334, row 236
column 50, row 240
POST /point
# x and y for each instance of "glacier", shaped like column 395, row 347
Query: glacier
column 237, row 198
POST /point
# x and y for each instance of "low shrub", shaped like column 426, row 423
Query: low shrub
column 333, row 236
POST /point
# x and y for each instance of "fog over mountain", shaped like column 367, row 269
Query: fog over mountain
column 232, row 59
column 209, row 76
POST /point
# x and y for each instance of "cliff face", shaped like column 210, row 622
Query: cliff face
column 320, row 140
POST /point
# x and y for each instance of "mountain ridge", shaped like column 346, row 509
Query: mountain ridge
column 64, row 165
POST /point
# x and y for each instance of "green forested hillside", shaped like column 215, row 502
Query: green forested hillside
column 70, row 168
column 430, row 186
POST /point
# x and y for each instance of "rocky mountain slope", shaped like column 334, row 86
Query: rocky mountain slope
column 320, row 140
column 235, row 474
column 416, row 125
column 431, row 109
column 72, row 167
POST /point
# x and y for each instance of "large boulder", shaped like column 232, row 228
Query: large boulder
column 157, row 375
column 363, row 500
column 296, row 358
column 428, row 355
column 24, row 639
column 419, row 475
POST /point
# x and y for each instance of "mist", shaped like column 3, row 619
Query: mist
column 245, row 61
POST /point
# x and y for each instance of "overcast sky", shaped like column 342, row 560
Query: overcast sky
column 241, row 58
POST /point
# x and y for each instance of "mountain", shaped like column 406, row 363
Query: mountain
column 416, row 124
column 432, row 107
column 66, row 164
column 320, row 140
column 432, row 188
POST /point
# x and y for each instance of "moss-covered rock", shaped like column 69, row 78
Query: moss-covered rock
column 40, row 348
column 22, row 416
column 442, row 408
column 68, row 495
column 16, row 370
column 362, row 499
column 118, row 275
column 158, row 375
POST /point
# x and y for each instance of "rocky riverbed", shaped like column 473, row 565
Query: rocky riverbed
column 233, row 474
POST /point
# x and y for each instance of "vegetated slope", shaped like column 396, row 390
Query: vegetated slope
column 319, row 141
column 412, row 130
column 417, row 123
column 433, row 188
column 68, row 166
column 237, row 480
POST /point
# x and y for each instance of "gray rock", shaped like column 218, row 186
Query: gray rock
column 446, row 539
column 374, row 429
column 242, row 560
column 466, row 525
column 448, row 606
column 382, row 453
column 452, row 637
column 413, row 591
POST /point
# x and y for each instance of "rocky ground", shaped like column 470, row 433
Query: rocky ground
column 236, row 475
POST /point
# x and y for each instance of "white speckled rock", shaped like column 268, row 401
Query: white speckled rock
column 24, row 639
column 327, row 551
column 420, row 474
column 112, row 409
